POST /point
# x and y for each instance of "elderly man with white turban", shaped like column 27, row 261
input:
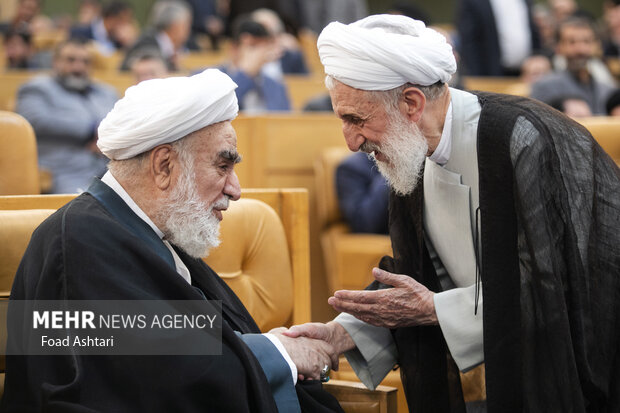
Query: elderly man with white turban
column 495, row 199
column 139, row 234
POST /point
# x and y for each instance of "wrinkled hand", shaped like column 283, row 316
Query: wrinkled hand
column 409, row 303
column 332, row 333
column 309, row 355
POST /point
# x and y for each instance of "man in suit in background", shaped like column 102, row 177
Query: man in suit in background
column 171, row 26
column 65, row 109
column 583, row 74
column 112, row 31
column 495, row 36
column 252, row 51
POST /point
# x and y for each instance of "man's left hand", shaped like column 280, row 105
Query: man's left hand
column 409, row 303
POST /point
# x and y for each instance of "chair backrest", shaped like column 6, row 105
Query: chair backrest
column 325, row 166
column 606, row 131
column 264, row 254
column 497, row 84
column 19, row 173
column 302, row 88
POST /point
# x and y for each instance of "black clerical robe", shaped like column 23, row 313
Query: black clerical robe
column 85, row 252
column 549, row 263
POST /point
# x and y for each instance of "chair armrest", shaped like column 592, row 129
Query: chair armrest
column 354, row 397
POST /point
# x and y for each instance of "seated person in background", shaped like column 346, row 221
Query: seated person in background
column 28, row 18
column 65, row 109
column 572, row 106
column 148, row 66
column 88, row 11
column 320, row 103
column 613, row 104
column 576, row 42
column 19, row 54
column 252, row 49
column 363, row 194
column 112, row 31
column 292, row 60
column 588, row 44
column 206, row 20
column 139, row 233
column 172, row 22
column 611, row 16
column 535, row 67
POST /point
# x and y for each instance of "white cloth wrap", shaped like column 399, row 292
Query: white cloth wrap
column 383, row 52
column 161, row 111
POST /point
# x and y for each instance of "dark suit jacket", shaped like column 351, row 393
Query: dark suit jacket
column 82, row 31
column 363, row 194
column 478, row 39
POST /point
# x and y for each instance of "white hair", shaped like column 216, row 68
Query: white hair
column 165, row 13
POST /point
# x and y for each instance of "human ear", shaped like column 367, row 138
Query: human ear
column 161, row 164
column 415, row 102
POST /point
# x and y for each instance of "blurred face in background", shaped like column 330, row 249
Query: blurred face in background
column 17, row 52
column 535, row 67
column 577, row 44
column 179, row 31
column 72, row 64
column 561, row 9
column 150, row 68
column 27, row 9
column 577, row 108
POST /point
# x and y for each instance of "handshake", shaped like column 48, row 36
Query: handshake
column 313, row 346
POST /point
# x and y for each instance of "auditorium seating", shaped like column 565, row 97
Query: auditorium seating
column 279, row 151
column 264, row 255
column 349, row 258
column 490, row 83
column 18, row 156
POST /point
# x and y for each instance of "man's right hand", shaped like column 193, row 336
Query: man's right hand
column 309, row 355
column 332, row 333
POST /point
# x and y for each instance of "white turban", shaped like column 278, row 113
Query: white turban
column 385, row 51
column 161, row 111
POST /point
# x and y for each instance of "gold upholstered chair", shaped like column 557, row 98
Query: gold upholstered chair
column 349, row 257
column 264, row 258
column 606, row 131
column 19, row 174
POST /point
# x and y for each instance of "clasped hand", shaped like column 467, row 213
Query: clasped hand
column 308, row 354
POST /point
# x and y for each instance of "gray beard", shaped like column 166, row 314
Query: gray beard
column 186, row 222
column 74, row 83
column 405, row 147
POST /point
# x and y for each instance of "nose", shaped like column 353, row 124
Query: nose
column 232, row 188
column 353, row 138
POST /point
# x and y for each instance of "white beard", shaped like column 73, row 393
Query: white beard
column 186, row 222
column 405, row 148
